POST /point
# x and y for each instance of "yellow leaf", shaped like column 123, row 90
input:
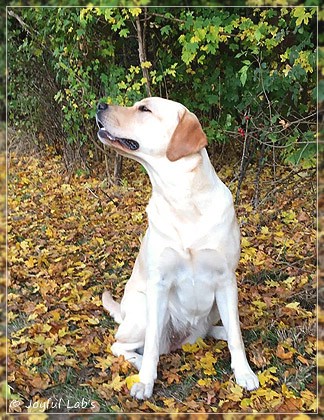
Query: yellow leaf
column 46, row 328
column 46, row 342
column 104, row 362
column 146, row 65
column 259, row 304
column 100, row 241
column 205, row 382
column 116, row 408
column 265, row 230
column 169, row 402
column 154, row 407
column 11, row 316
column 135, row 11
column 61, row 350
column 186, row 366
column 207, row 363
column 24, row 245
column 85, row 274
column 314, row 405
column 245, row 243
column 307, row 395
column 33, row 361
column 131, row 380
column 289, row 282
column 286, row 392
column 30, row 262
column 66, row 188
column 289, row 217
column 237, row 393
column 246, row 402
column 49, row 232
column 286, row 70
column 25, row 180
column 117, row 383
column 202, row 382
column 193, row 348
column 190, row 348
column 267, row 377
column 293, row 305
column 93, row 321
column 55, row 315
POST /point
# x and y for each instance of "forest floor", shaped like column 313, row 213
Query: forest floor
column 71, row 238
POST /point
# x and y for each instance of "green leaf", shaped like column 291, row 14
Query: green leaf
column 301, row 15
column 258, row 34
column 243, row 76
column 165, row 30
column 124, row 32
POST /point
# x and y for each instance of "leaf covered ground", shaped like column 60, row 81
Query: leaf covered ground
column 71, row 238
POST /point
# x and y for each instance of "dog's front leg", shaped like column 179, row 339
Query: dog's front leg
column 156, row 302
column 227, row 302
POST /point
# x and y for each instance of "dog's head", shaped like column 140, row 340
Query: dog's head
column 153, row 127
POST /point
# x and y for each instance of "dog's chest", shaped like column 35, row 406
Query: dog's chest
column 192, row 277
column 190, row 223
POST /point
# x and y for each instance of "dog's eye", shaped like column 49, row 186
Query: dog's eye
column 143, row 108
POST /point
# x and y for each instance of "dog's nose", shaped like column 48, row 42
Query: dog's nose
column 102, row 106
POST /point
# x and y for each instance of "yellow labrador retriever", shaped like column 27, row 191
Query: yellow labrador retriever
column 183, row 280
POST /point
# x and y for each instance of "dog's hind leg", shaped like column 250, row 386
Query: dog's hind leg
column 217, row 332
column 130, row 336
column 121, row 349
column 112, row 307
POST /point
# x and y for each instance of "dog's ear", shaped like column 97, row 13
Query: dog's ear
column 188, row 138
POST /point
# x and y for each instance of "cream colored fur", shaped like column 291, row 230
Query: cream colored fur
column 183, row 280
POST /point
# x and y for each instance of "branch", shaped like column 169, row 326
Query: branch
column 168, row 17
column 142, row 55
column 22, row 23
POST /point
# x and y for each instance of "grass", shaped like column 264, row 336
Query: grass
column 264, row 275
column 179, row 391
column 18, row 323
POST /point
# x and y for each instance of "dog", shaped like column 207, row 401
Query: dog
column 183, row 281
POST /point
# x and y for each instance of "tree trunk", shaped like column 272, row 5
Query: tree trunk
column 142, row 51
column 118, row 165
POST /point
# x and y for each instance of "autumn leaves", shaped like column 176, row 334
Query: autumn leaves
column 69, row 239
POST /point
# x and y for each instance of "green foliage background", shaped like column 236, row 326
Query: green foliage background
column 247, row 72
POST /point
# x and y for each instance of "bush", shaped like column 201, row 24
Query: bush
column 248, row 73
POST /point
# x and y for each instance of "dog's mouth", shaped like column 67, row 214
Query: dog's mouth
column 105, row 136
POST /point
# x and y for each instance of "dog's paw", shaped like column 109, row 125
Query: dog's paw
column 142, row 391
column 247, row 379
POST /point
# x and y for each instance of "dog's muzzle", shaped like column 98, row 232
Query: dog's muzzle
column 104, row 135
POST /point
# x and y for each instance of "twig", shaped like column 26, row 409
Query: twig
column 243, row 165
column 93, row 193
column 22, row 23
column 283, row 183
column 167, row 17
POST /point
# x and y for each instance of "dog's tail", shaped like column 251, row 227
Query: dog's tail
column 112, row 307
